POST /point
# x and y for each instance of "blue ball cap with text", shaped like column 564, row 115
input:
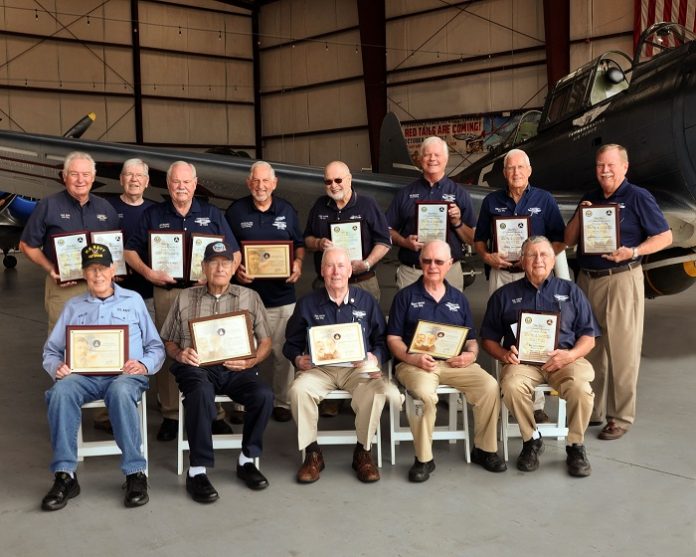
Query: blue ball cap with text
column 218, row 249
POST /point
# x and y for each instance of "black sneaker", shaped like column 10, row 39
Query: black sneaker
column 136, row 490
column 528, row 461
column 578, row 465
column 64, row 488
column 490, row 461
column 221, row 427
column 420, row 471
column 200, row 488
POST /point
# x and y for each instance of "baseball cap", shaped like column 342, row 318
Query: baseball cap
column 96, row 254
column 218, row 249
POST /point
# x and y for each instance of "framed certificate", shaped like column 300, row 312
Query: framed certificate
column 431, row 221
column 167, row 252
column 96, row 349
column 198, row 244
column 112, row 239
column 438, row 339
column 537, row 335
column 509, row 233
column 227, row 336
column 336, row 344
column 68, row 250
column 348, row 235
column 599, row 229
column 268, row 260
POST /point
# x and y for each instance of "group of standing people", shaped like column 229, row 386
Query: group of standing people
column 594, row 367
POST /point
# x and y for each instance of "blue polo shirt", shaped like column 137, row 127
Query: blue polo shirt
column 278, row 222
column 538, row 204
column 414, row 303
column 639, row 217
column 401, row 215
column 202, row 218
column 373, row 228
column 60, row 213
column 129, row 217
column 555, row 294
column 316, row 308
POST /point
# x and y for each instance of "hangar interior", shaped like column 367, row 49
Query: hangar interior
column 286, row 80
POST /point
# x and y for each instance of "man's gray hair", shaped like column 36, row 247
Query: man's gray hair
column 535, row 240
column 77, row 155
column 433, row 140
column 333, row 249
column 440, row 243
column 134, row 162
column 623, row 153
column 513, row 152
column 261, row 164
column 180, row 163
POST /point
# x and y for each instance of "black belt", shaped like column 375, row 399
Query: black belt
column 597, row 273
column 361, row 278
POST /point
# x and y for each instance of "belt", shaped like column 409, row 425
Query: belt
column 514, row 269
column 597, row 273
column 361, row 278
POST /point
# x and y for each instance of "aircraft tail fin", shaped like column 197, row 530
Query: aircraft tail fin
column 394, row 157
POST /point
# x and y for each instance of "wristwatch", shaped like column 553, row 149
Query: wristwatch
column 636, row 255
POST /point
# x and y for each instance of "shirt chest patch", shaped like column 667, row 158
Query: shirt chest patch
column 534, row 211
column 500, row 210
column 319, row 316
column 414, row 196
column 65, row 216
column 516, row 301
column 101, row 217
column 452, row 306
column 246, row 224
column 560, row 297
column 449, row 197
column 323, row 217
column 417, row 304
column 355, row 217
column 202, row 221
column 164, row 225
column 359, row 314
column 280, row 223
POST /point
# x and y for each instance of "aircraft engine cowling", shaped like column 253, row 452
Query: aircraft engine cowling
column 668, row 279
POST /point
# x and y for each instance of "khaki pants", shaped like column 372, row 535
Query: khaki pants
column 481, row 391
column 618, row 303
column 572, row 383
column 55, row 297
column 280, row 368
column 407, row 274
column 499, row 277
column 310, row 387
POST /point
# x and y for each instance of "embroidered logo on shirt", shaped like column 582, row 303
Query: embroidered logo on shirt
column 359, row 314
column 355, row 217
column 417, row 304
column 65, row 216
column 560, row 297
column 516, row 300
column 246, row 224
column 452, row 306
column 414, row 196
column 534, row 211
column 202, row 221
column 500, row 209
column 319, row 316
column 163, row 225
column 449, row 197
column 101, row 217
column 280, row 223
column 323, row 217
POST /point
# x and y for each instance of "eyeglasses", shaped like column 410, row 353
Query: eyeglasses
column 438, row 262
column 130, row 175
column 328, row 181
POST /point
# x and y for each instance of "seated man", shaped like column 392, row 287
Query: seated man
column 432, row 298
column 104, row 303
column 238, row 379
column 334, row 304
column 566, row 370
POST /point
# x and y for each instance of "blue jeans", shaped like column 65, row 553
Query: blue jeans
column 121, row 393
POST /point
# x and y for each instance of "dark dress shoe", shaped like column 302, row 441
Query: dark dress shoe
column 136, row 490
column 490, row 461
column 363, row 465
column 420, row 471
column 312, row 465
column 64, row 488
column 168, row 430
column 221, row 427
column 251, row 476
column 329, row 408
column 104, row 425
column 578, row 465
column 236, row 417
column 281, row 414
column 528, row 461
column 200, row 488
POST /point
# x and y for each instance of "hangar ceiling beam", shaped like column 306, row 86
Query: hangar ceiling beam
column 373, row 38
column 557, row 31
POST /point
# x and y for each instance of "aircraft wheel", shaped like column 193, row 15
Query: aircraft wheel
column 10, row 261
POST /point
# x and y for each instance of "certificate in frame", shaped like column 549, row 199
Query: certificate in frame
column 112, row 239
column 227, row 336
column 440, row 340
column 342, row 343
column 348, row 235
column 96, row 349
column 198, row 244
column 268, row 260
column 599, row 229
column 431, row 221
column 509, row 233
column 68, row 249
column 537, row 335
column 167, row 252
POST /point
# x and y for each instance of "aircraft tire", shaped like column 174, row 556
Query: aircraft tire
column 10, row 261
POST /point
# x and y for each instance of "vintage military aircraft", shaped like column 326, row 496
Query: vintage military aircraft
column 648, row 105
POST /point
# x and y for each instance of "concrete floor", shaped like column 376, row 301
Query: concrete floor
column 639, row 501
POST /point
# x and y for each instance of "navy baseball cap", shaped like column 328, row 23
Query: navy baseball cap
column 218, row 249
column 96, row 254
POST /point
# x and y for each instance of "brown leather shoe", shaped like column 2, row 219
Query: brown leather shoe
column 312, row 465
column 612, row 431
column 363, row 465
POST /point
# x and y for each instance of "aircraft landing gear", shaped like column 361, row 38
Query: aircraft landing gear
column 9, row 261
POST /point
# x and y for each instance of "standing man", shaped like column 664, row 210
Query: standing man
column 104, row 303
column 432, row 186
column 337, row 302
column 181, row 213
column 72, row 210
column 432, row 298
column 614, row 285
column 519, row 199
column 566, row 370
column 342, row 204
column 238, row 379
column 266, row 217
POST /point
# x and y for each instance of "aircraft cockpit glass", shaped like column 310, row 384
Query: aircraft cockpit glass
column 609, row 77
column 659, row 38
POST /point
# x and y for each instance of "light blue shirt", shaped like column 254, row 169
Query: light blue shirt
column 125, row 307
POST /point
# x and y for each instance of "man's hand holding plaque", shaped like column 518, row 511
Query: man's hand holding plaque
column 537, row 336
column 599, row 229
